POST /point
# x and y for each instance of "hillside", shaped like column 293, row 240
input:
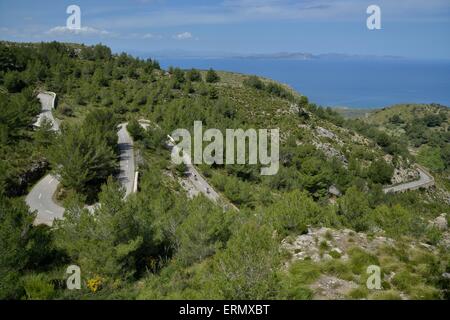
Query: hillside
column 167, row 241
column 420, row 124
column 425, row 128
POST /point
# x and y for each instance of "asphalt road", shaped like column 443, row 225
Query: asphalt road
column 47, row 103
column 126, row 158
column 198, row 182
column 195, row 177
column 425, row 179
column 40, row 199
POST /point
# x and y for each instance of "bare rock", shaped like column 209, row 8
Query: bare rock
column 331, row 152
column 325, row 133
column 332, row 288
column 440, row 222
column 402, row 175
column 308, row 246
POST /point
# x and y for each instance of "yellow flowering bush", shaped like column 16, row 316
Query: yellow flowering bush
column 95, row 284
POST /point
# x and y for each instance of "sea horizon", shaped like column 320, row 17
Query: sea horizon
column 342, row 83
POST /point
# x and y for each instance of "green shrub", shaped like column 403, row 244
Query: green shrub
column 304, row 272
column 404, row 280
column 293, row 213
column 360, row 260
column 193, row 75
column 380, row 172
column 254, row 82
column 431, row 158
column 337, row 268
column 211, row 76
column 181, row 169
column 329, row 235
column 38, row 287
column 66, row 110
column 359, row 293
column 354, row 209
column 135, row 130
column 246, row 269
column 323, row 246
column 423, row 292
column 294, row 282
column 335, row 254
column 298, row 293
column 396, row 221
column 14, row 81
column 434, row 235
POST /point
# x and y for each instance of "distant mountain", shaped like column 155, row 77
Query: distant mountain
column 179, row 54
column 343, row 56
column 280, row 55
column 310, row 56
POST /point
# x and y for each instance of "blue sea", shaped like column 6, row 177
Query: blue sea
column 345, row 83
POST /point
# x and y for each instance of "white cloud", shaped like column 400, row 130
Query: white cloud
column 87, row 31
column 93, row 32
column 183, row 36
column 151, row 36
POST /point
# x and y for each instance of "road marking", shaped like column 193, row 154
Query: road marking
column 51, row 180
column 40, row 196
column 48, row 211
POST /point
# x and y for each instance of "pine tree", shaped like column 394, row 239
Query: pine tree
column 212, row 76
column 82, row 158
column 103, row 242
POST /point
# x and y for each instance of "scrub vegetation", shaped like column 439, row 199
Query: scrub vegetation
column 161, row 244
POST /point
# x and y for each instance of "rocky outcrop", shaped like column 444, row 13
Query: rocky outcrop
column 330, row 152
column 331, row 288
column 440, row 222
column 325, row 133
column 321, row 244
column 402, row 175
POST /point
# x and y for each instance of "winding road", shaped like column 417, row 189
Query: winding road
column 425, row 180
column 195, row 177
column 192, row 174
column 40, row 198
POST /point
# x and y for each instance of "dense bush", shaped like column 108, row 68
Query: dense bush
column 212, row 76
column 380, row 172
column 194, row 75
column 84, row 155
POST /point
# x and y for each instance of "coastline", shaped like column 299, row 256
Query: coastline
column 354, row 84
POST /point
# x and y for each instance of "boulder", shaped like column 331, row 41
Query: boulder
column 440, row 222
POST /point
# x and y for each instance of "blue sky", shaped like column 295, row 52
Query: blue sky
column 410, row 28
